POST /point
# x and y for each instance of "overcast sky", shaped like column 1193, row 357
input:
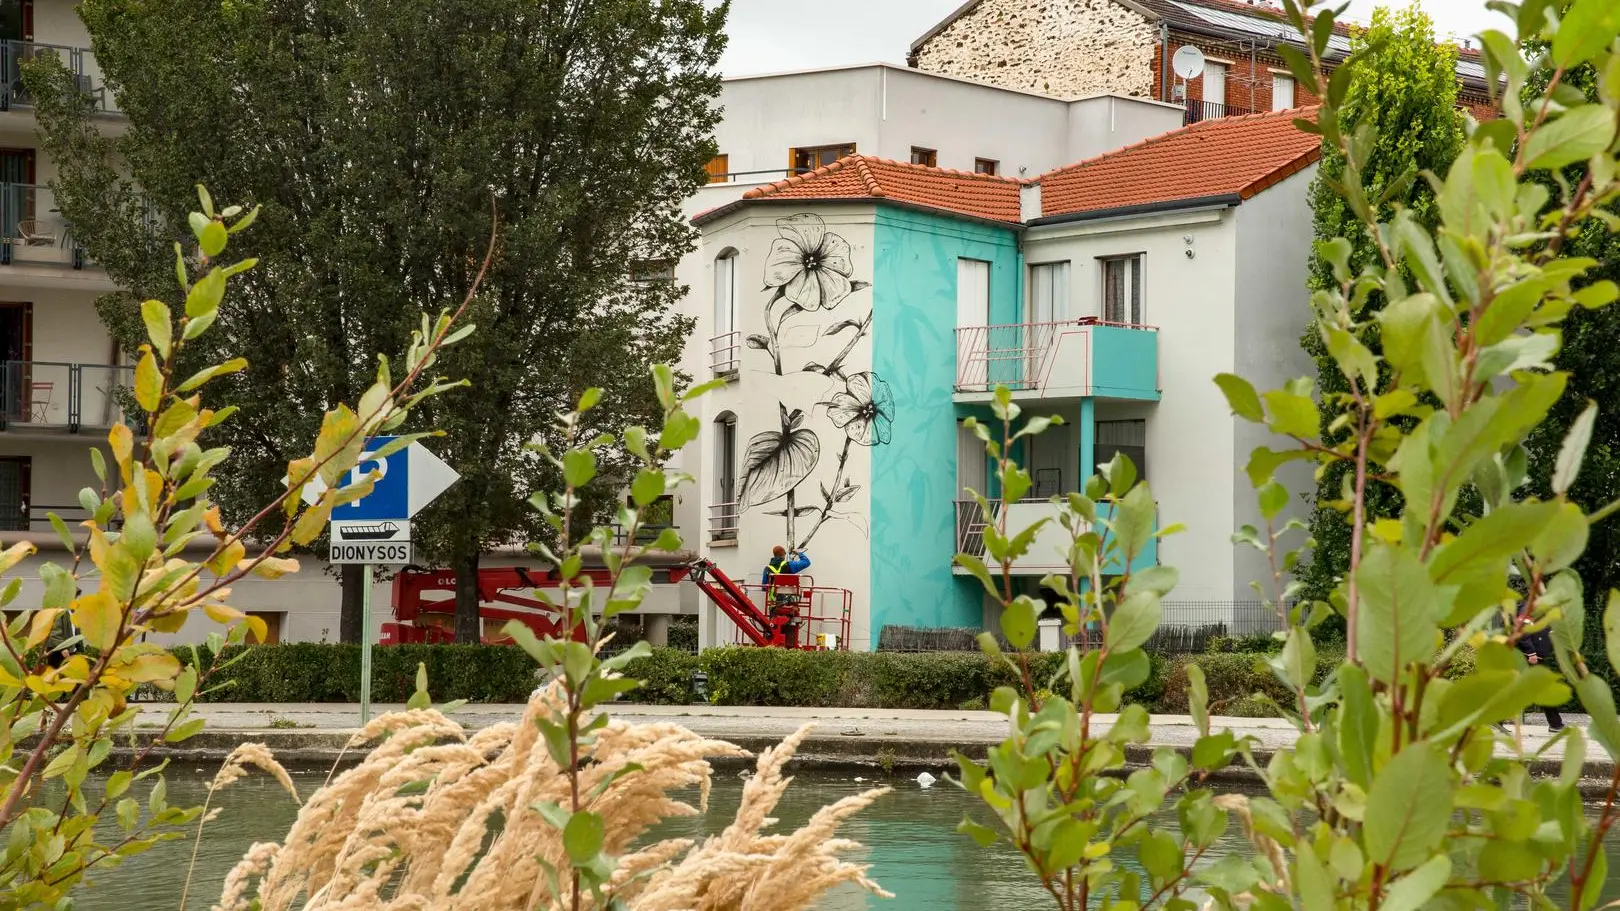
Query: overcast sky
column 773, row 35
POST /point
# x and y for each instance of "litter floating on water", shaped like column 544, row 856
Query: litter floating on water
column 926, row 780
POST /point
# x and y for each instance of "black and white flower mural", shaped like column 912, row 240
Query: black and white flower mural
column 809, row 273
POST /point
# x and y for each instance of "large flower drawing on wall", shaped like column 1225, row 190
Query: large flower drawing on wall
column 864, row 410
column 808, row 269
column 777, row 462
column 809, row 265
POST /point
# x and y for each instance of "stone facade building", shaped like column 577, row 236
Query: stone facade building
column 1073, row 48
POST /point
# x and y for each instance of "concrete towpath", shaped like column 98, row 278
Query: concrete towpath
column 902, row 739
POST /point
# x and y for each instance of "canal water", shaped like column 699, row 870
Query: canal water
column 910, row 837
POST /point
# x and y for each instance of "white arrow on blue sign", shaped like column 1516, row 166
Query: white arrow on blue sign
column 407, row 482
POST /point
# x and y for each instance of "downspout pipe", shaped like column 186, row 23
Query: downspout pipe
column 1164, row 60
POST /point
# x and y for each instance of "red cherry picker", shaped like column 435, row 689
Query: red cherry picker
column 796, row 613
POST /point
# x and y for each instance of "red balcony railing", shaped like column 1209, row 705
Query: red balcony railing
column 1018, row 355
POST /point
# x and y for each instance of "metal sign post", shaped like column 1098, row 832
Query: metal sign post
column 375, row 530
column 365, row 643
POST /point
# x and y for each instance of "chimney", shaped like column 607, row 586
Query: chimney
column 1029, row 201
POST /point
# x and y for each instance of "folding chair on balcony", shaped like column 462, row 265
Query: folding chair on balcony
column 39, row 401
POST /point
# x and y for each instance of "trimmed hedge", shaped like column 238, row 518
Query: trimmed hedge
column 330, row 672
column 1239, row 682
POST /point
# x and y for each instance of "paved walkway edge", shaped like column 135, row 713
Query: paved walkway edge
column 821, row 751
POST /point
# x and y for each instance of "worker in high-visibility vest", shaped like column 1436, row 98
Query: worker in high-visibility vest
column 782, row 563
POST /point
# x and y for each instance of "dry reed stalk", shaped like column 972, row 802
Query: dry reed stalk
column 433, row 820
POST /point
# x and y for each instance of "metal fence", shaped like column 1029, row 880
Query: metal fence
column 62, row 396
column 1198, row 110
column 80, row 63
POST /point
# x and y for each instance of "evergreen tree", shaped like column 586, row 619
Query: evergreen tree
column 1407, row 90
column 1592, row 358
column 381, row 138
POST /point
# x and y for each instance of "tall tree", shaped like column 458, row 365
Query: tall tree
column 378, row 136
column 1592, row 359
column 1406, row 91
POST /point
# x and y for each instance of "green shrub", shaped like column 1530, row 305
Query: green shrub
column 1254, row 644
column 737, row 675
column 744, row 675
column 683, row 634
column 328, row 672
column 666, row 677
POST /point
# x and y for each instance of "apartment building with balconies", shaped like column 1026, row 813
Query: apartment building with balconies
column 60, row 372
column 877, row 304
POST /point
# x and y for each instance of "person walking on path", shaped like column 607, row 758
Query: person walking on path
column 1538, row 649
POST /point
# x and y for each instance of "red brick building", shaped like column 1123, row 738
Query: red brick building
column 1071, row 48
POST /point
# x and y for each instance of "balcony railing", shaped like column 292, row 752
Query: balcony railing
column 724, row 519
column 79, row 61
column 1083, row 357
column 725, row 353
column 768, row 175
column 37, row 517
column 1198, row 110
column 51, row 395
column 32, row 229
column 1046, row 552
column 645, row 534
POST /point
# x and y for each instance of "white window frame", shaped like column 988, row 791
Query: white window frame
column 1049, row 298
column 1279, row 80
column 972, row 309
column 724, row 512
column 725, row 292
column 1133, row 309
column 1211, row 67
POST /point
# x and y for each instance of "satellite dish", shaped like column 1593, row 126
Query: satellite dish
column 1188, row 62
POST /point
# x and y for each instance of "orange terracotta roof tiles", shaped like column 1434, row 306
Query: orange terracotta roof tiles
column 865, row 177
column 1230, row 156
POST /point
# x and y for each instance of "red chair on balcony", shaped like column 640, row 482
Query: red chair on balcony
column 39, row 401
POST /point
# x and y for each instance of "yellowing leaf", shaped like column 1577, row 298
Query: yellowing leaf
column 15, row 554
column 338, row 444
column 275, row 567
column 227, row 558
column 176, row 418
column 222, row 614
column 119, row 572
column 260, row 629
column 310, row 525
column 150, row 667
column 98, row 616
column 40, row 626
column 76, row 668
column 148, row 381
column 159, row 325
column 374, row 405
column 122, row 441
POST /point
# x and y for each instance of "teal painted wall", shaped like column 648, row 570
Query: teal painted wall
column 913, row 488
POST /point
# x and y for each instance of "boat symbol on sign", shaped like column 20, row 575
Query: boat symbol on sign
column 382, row 531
